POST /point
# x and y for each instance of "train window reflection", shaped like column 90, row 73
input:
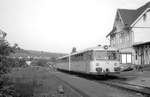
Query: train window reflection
column 112, row 55
column 109, row 55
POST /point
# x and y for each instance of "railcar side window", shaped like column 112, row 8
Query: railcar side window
column 64, row 59
column 88, row 56
column 77, row 57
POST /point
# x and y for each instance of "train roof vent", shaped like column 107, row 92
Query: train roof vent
column 99, row 45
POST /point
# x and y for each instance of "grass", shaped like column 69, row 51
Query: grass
column 38, row 82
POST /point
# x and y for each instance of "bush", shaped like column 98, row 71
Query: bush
column 24, row 89
column 40, row 62
column 6, row 87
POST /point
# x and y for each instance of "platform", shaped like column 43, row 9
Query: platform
column 137, row 78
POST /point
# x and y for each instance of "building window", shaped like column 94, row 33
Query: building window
column 136, row 55
column 123, row 57
column 114, row 41
column 126, row 58
column 120, row 40
column 117, row 39
column 127, row 37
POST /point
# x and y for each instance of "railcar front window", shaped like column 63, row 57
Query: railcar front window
column 100, row 55
column 106, row 55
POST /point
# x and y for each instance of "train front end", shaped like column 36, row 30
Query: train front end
column 105, row 62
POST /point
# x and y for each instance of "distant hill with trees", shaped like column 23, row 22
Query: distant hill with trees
column 25, row 53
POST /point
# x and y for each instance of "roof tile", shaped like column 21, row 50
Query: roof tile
column 129, row 15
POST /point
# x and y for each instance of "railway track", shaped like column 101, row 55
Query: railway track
column 130, row 87
column 118, row 83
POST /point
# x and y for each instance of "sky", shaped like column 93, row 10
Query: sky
column 60, row 25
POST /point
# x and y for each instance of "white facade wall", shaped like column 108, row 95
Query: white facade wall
column 142, row 29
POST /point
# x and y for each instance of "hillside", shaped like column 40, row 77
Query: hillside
column 34, row 53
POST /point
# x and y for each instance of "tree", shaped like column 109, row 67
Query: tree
column 5, row 48
column 74, row 50
column 6, row 88
column 39, row 62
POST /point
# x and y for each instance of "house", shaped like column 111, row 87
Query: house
column 131, row 35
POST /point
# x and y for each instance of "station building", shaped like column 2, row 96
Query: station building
column 131, row 35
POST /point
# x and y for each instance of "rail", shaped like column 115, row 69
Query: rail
column 135, row 88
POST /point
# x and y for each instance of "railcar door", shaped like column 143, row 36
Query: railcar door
column 87, row 59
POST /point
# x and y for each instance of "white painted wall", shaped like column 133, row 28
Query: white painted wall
column 141, row 35
column 142, row 29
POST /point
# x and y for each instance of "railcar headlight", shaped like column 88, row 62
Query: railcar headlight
column 107, row 70
column 99, row 69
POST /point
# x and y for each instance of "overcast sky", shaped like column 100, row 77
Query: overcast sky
column 59, row 25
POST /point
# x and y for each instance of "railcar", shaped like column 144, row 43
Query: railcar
column 96, row 60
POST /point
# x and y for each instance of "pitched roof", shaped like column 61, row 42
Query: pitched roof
column 113, row 30
column 130, row 15
column 140, row 43
column 127, row 15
